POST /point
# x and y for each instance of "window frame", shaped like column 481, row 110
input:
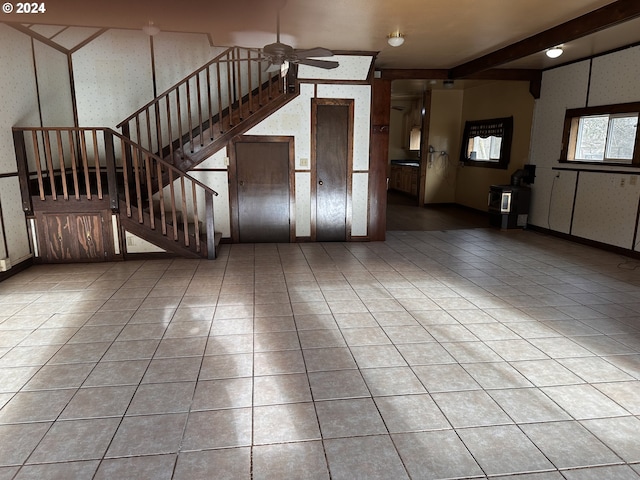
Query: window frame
column 505, row 147
column 571, row 121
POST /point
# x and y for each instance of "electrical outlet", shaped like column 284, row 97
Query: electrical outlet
column 304, row 162
column 5, row 264
column 622, row 182
column 633, row 179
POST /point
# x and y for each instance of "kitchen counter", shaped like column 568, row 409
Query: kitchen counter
column 406, row 163
column 403, row 176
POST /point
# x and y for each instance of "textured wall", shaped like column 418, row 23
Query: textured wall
column 18, row 107
column 595, row 202
column 54, row 86
column 112, row 77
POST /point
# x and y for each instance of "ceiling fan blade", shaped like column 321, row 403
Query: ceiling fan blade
column 326, row 64
column 314, row 52
column 273, row 67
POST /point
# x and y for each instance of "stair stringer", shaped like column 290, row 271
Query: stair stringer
column 189, row 160
column 142, row 230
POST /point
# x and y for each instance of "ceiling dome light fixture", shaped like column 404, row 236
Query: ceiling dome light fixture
column 151, row 29
column 395, row 39
column 554, row 52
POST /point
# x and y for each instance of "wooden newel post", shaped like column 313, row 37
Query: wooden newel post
column 211, row 234
column 23, row 170
column 112, row 179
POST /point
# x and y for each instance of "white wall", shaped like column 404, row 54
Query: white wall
column 596, row 202
column 113, row 77
column 18, row 107
column 295, row 120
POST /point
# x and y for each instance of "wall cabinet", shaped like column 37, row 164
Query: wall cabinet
column 404, row 179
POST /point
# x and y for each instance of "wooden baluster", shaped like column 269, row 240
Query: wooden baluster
column 136, row 170
column 74, row 164
column 158, row 129
column 189, row 122
column 96, row 161
column 63, row 171
column 209, row 104
column 138, row 138
column 219, row 83
column 149, row 138
column 36, row 151
column 169, row 129
column 196, row 220
column 85, row 163
column 199, row 96
column 238, row 76
column 163, row 217
column 49, row 161
column 185, row 219
column 229, row 92
column 125, row 174
column 148, row 170
column 250, row 82
column 174, row 213
column 179, row 120
column 260, row 101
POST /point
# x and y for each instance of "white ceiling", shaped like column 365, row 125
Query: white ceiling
column 440, row 34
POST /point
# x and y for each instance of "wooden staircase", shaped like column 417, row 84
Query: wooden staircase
column 141, row 174
column 97, row 170
column 199, row 115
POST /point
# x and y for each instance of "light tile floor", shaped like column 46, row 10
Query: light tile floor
column 448, row 354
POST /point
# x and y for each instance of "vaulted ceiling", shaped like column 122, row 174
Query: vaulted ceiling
column 461, row 36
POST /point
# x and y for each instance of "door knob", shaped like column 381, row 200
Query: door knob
column 320, row 182
column 241, row 183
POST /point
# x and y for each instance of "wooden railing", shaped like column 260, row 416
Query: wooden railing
column 205, row 105
column 80, row 164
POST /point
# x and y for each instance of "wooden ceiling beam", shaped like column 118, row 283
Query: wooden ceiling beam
column 514, row 74
column 615, row 13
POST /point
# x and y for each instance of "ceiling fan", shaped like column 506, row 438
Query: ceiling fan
column 277, row 53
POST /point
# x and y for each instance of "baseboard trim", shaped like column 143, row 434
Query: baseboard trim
column 17, row 268
column 585, row 241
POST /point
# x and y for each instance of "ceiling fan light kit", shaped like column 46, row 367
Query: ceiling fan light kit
column 554, row 52
column 151, row 29
column 278, row 53
column 395, row 39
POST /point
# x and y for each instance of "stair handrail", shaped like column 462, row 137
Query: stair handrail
column 119, row 135
column 177, row 84
column 163, row 162
column 223, row 92
column 59, row 152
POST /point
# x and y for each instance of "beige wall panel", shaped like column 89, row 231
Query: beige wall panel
column 606, row 206
column 112, row 77
column 614, row 78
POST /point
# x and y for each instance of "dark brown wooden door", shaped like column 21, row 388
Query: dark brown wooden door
column 262, row 170
column 332, row 130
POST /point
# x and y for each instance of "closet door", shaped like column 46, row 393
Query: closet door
column 262, row 172
column 332, row 134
